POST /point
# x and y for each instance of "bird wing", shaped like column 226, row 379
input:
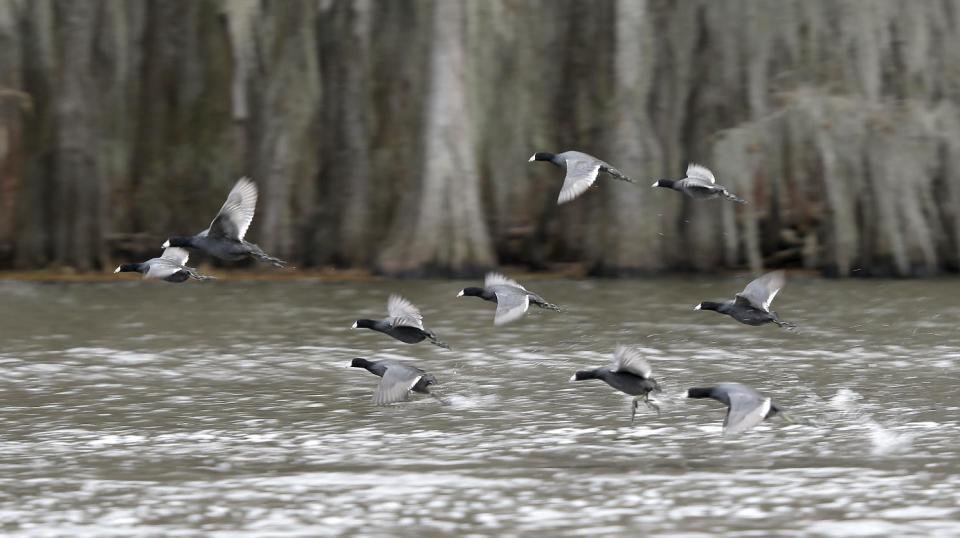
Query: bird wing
column 760, row 292
column 581, row 173
column 161, row 268
column 700, row 172
column 497, row 279
column 696, row 184
column 512, row 304
column 626, row 359
column 176, row 255
column 396, row 383
column 401, row 312
column 237, row 212
column 747, row 409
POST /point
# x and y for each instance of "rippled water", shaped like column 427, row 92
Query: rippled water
column 139, row 409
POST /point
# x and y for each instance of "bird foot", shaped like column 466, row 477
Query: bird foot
column 650, row 404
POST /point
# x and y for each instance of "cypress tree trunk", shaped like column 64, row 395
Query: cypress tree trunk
column 79, row 192
column 286, row 119
column 626, row 233
column 440, row 223
column 14, row 103
column 348, row 117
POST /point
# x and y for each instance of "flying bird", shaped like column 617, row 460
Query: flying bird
column 629, row 373
column 581, row 171
column 699, row 184
column 171, row 266
column 403, row 322
column 752, row 305
column 512, row 299
column 224, row 238
column 745, row 407
column 397, row 380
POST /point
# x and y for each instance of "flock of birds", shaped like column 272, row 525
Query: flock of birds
column 628, row 372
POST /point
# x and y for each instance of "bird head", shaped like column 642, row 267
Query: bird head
column 470, row 292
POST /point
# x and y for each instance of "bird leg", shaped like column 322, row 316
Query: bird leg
column 195, row 275
column 784, row 324
column 651, row 405
column 259, row 254
column 548, row 306
column 633, row 413
column 436, row 342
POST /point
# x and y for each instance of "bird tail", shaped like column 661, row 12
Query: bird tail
column 259, row 254
column 730, row 196
column 618, row 174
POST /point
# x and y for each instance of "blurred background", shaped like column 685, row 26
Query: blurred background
column 394, row 135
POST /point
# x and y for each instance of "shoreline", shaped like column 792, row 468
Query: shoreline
column 329, row 274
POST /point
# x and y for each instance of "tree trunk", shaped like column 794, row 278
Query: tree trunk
column 626, row 242
column 349, row 119
column 287, row 115
column 80, row 218
column 440, row 225
column 13, row 104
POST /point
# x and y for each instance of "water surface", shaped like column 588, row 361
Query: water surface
column 226, row 409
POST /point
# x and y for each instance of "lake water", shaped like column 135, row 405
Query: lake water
column 227, row 409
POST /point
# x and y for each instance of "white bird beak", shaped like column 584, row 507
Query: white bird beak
column 166, row 244
column 117, row 270
column 354, row 326
column 460, row 294
column 655, row 183
column 573, row 378
column 696, row 307
column 532, row 157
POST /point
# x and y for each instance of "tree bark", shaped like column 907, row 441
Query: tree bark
column 626, row 242
column 288, row 110
column 440, row 226
column 347, row 140
column 80, row 216
column 14, row 103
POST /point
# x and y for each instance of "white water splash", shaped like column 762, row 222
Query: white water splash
column 884, row 440
column 466, row 401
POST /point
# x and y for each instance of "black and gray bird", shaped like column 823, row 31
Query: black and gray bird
column 512, row 299
column 699, row 184
column 397, row 379
column 171, row 266
column 224, row 237
column 582, row 170
column 403, row 322
column 745, row 407
column 752, row 305
column 629, row 373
